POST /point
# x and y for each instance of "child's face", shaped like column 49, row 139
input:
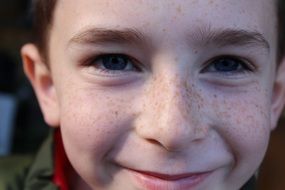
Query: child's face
column 162, row 94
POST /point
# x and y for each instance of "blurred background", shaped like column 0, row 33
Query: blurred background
column 21, row 124
column 22, row 128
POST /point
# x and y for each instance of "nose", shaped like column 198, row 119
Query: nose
column 171, row 115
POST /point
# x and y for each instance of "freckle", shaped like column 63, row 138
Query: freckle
column 238, row 121
column 178, row 9
column 199, row 106
column 215, row 95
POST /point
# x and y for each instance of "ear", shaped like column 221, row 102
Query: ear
column 278, row 96
column 41, row 79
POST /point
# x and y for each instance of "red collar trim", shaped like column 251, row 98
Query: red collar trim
column 61, row 163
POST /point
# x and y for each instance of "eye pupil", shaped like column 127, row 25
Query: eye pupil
column 226, row 65
column 115, row 62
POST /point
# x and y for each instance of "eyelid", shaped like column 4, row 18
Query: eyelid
column 94, row 59
column 249, row 66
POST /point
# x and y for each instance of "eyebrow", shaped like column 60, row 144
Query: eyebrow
column 103, row 36
column 206, row 36
column 232, row 37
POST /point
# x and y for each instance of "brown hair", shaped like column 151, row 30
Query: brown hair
column 42, row 11
column 281, row 29
column 43, row 16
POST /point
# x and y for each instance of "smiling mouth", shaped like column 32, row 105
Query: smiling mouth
column 158, row 181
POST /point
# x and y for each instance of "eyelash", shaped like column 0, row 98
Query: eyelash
column 243, row 66
column 98, row 61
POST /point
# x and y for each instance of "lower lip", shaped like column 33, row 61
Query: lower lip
column 150, row 182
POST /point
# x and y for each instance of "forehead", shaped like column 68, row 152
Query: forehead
column 171, row 16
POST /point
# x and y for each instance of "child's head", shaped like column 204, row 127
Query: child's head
column 166, row 94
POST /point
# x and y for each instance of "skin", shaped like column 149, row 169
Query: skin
column 175, row 114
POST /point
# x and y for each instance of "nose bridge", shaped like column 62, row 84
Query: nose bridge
column 171, row 113
column 177, row 104
column 174, row 100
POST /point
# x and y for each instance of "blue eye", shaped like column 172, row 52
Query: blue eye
column 113, row 63
column 227, row 65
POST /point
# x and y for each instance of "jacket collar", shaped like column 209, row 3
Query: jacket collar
column 41, row 172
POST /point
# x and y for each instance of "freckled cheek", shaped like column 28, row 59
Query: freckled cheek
column 248, row 142
column 244, row 123
column 92, row 125
column 251, row 132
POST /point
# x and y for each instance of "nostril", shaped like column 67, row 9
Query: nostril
column 152, row 141
column 164, row 146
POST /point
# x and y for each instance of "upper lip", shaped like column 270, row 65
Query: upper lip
column 169, row 177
